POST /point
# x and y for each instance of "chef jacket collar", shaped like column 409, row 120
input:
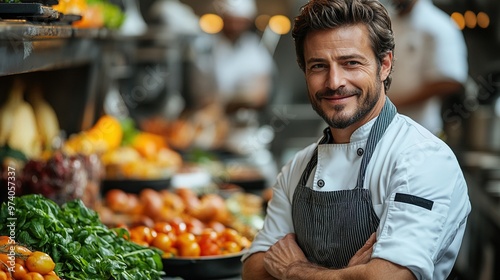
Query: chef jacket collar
column 359, row 134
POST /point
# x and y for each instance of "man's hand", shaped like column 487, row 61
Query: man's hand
column 363, row 255
column 281, row 255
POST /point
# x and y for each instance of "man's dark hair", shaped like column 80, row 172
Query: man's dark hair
column 330, row 14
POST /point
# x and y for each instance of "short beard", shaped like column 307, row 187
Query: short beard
column 363, row 109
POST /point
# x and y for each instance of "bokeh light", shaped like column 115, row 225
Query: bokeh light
column 211, row 23
column 459, row 20
column 262, row 21
column 280, row 24
column 470, row 19
column 483, row 20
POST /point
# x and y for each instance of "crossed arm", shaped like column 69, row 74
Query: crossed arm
column 285, row 260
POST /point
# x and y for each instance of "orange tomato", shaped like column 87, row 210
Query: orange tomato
column 230, row 247
column 187, row 245
column 162, row 241
column 229, row 234
column 4, row 258
column 5, row 240
column 40, row 262
column 19, row 272
column 164, row 227
column 33, row 276
column 190, row 249
column 20, row 261
column 185, row 238
column 143, row 233
column 4, row 275
column 51, row 277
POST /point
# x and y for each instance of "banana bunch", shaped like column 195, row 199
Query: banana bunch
column 29, row 128
column 46, row 119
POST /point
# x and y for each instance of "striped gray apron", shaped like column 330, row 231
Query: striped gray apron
column 332, row 226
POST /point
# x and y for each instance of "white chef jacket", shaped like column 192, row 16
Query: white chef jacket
column 409, row 160
column 236, row 66
column 429, row 47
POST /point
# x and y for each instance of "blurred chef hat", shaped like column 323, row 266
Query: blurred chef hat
column 238, row 8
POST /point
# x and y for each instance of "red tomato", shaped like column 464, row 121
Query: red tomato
column 163, row 227
column 179, row 226
column 209, row 248
column 207, row 235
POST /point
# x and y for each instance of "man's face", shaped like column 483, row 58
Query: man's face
column 343, row 80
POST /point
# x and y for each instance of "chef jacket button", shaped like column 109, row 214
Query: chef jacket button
column 360, row 151
column 321, row 183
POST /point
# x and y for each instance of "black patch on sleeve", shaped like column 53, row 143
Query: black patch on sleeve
column 415, row 200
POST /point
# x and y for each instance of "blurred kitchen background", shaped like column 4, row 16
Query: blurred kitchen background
column 86, row 73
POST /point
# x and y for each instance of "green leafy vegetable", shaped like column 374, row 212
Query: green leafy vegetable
column 80, row 244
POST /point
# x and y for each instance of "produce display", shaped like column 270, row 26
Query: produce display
column 66, row 228
column 19, row 262
column 176, row 239
column 94, row 13
column 182, row 223
column 63, row 178
column 125, row 152
column 80, row 245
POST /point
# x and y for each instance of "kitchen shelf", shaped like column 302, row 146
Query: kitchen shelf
column 26, row 47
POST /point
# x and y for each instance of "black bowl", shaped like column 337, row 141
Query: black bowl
column 204, row 268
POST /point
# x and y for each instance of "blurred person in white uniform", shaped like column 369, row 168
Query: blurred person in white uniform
column 378, row 196
column 430, row 61
column 243, row 65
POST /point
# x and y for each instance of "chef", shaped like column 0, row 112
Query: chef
column 378, row 196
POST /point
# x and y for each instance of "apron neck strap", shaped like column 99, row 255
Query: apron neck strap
column 384, row 119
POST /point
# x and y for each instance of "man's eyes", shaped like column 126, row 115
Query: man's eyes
column 352, row 63
column 321, row 66
column 317, row 66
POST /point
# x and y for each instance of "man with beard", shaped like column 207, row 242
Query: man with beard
column 378, row 196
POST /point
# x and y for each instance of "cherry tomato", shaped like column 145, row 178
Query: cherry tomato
column 33, row 276
column 40, row 262
column 189, row 249
column 207, row 235
column 179, row 226
column 19, row 272
column 185, row 238
column 229, row 234
column 230, row 247
column 209, row 248
column 142, row 233
column 163, row 227
column 5, row 240
column 162, row 241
